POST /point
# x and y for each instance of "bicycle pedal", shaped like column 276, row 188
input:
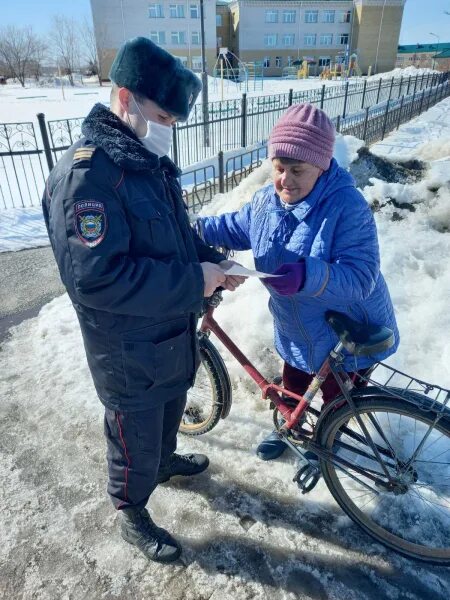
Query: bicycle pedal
column 307, row 478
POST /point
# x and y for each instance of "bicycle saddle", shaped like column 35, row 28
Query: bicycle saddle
column 360, row 339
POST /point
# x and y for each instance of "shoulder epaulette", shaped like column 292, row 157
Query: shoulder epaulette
column 83, row 155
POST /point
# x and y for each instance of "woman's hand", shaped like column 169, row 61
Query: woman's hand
column 291, row 281
column 231, row 281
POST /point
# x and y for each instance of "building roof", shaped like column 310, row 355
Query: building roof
column 445, row 54
column 418, row 48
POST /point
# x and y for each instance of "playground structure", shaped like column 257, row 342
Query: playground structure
column 244, row 76
column 340, row 70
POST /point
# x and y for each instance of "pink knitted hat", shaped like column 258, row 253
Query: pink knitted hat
column 304, row 133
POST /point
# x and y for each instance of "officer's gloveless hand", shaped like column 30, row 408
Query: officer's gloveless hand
column 214, row 277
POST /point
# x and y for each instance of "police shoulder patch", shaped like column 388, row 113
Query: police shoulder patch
column 90, row 222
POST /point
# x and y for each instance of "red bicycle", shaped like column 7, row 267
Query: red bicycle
column 384, row 449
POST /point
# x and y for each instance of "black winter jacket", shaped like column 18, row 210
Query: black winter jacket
column 130, row 262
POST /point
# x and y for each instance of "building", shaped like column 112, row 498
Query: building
column 223, row 25
column 424, row 56
column 279, row 32
column 274, row 33
column 172, row 24
column 443, row 60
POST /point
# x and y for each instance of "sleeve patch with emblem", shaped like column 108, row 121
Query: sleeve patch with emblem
column 90, row 222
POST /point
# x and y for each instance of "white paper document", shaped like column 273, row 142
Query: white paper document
column 240, row 270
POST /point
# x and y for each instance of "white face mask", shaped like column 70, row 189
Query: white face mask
column 158, row 138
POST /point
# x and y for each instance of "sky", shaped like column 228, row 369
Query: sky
column 420, row 16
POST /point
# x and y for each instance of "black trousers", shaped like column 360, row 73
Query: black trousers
column 137, row 443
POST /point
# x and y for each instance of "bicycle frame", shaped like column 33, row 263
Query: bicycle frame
column 291, row 416
column 271, row 390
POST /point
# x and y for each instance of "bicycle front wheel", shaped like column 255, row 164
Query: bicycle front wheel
column 209, row 399
column 408, row 508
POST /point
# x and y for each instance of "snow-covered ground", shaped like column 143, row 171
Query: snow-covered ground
column 77, row 101
column 247, row 532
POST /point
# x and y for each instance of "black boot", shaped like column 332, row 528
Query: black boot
column 182, row 464
column 156, row 543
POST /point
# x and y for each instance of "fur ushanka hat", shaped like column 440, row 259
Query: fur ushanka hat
column 143, row 67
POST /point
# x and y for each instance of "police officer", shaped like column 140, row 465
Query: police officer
column 136, row 273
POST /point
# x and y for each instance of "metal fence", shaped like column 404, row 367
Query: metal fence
column 27, row 155
column 370, row 125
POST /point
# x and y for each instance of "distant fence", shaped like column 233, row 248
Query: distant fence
column 27, row 155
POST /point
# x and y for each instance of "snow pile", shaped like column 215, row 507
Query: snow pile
column 406, row 72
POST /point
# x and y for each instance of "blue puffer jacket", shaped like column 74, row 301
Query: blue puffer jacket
column 334, row 231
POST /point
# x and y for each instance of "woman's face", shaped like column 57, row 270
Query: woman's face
column 294, row 180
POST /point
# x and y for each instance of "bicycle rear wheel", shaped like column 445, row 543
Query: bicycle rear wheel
column 209, row 399
column 412, row 516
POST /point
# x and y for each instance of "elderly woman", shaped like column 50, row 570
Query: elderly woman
column 312, row 226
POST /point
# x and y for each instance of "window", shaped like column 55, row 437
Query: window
column 345, row 16
column 271, row 16
column 178, row 38
column 324, row 61
column 289, row 16
column 159, row 37
column 311, row 16
column 288, row 39
column 266, row 62
column 278, row 61
column 219, row 20
column 326, row 39
column 219, row 42
column 194, row 11
column 270, row 39
column 176, row 11
column 155, row 11
column 343, row 39
column 197, row 63
column 310, row 39
column 328, row 16
column 195, row 38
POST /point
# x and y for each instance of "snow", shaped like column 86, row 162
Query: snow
column 246, row 531
column 22, row 228
column 406, row 72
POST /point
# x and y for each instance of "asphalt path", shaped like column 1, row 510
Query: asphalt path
column 28, row 280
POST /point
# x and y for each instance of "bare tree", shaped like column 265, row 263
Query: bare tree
column 66, row 44
column 18, row 46
column 93, row 51
column 39, row 56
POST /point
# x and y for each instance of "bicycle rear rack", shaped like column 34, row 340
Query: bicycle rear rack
column 397, row 384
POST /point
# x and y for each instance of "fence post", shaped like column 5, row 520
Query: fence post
column 379, row 90
column 45, row 140
column 400, row 88
column 400, row 112
column 174, row 144
column 409, row 83
column 385, row 119
column 415, row 85
column 364, row 93
column 345, row 99
column 291, row 96
column 366, row 120
column 322, row 96
column 421, row 102
column 221, row 173
column 244, row 121
column 390, row 89
column 412, row 105
column 338, row 123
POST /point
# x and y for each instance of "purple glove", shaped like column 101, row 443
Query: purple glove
column 292, row 281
